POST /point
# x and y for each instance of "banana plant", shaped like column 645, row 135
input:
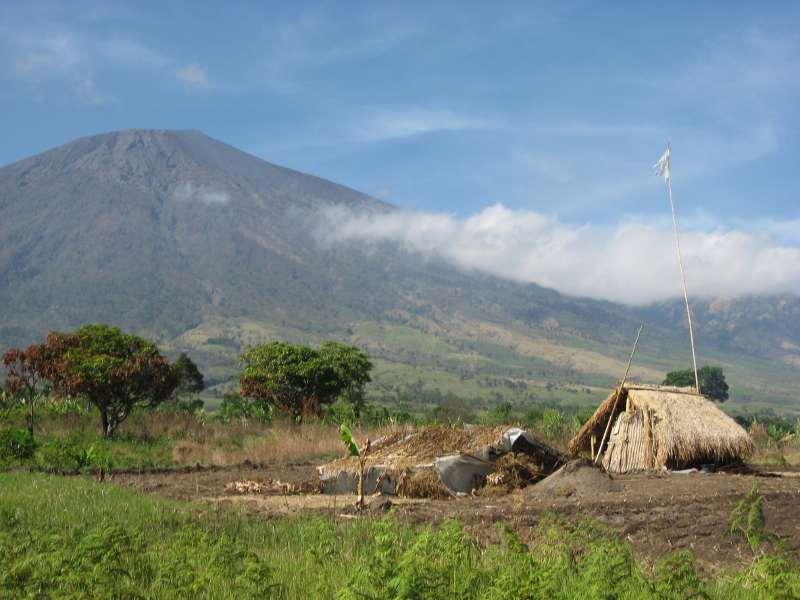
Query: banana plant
column 349, row 440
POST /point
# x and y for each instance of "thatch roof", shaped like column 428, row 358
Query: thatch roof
column 687, row 427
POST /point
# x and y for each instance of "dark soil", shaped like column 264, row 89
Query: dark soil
column 657, row 513
column 578, row 478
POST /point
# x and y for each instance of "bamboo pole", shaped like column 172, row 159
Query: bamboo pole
column 619, row 392
column 668, row 178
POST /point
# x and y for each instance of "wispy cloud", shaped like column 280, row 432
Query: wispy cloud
column 61, row 63
column 739, row 71
column 632, row 262
column 206, row 194
column 298, row 46
column 741, row 83
column 387, row 125
column 193, row 75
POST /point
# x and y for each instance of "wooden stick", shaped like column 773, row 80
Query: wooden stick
column 683, row 275
column 619, row 392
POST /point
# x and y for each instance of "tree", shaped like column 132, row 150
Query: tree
column 712, row 381
column 23, row 376
column 299, row 379
column 191, row 379
column 352, row 367
column 114, row 371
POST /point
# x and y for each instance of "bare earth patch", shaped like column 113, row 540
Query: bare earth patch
column 657, row 513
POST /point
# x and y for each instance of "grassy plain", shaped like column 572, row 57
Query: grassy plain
column 73, row 537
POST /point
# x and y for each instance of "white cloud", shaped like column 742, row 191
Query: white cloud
column 386, row 125
column 740, row 72
column 58, row 63
column 121, row 51
column 193, row 75
column 632, row 262
column 87, row 93
column 190, row 192
column 315, row 40
column 39, row 57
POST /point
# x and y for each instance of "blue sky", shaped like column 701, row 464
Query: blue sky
column 556, row 108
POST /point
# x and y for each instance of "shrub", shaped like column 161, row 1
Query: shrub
column 341, row 412
column 16, row 443
column 747, row 519
column 552, row 422
column 500, row 413
column 439, row 564
column 72, row 455
column 235, row 407
column 677, row 577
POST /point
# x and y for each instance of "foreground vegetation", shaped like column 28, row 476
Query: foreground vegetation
column 77, row 538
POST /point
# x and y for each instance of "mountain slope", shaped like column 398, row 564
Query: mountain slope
column 206, row 248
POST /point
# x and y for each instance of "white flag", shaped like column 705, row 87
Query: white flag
column 662, row 166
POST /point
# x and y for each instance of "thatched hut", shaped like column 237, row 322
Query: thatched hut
column 656, row 426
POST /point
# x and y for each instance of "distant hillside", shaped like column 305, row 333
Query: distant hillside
column 754, row 325
column 206, row 249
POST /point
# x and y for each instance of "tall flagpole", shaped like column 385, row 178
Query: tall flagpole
column 664, row 166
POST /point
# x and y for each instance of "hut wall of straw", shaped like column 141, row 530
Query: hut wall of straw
column 627, row 448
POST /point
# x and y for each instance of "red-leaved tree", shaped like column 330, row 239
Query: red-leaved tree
column 24, row 376
column 113, row 370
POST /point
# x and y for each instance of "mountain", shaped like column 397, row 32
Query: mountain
column 206, row 249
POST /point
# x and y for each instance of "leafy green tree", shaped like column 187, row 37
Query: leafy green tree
column 191, row 379
column 352, row 368
column 712, row 381
column 299, row 379
column 501, row 413
column 114, row 371
column 234, row 407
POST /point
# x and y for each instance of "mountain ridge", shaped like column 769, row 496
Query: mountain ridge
column 207, row 248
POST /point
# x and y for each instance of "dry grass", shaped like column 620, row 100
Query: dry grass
column 514, row 471
column 288, row 444
column 770, row 452
column 277, row 444
column 422, row 484
column 760, row 437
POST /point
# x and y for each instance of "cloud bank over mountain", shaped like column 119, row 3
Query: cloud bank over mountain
column 633, row 262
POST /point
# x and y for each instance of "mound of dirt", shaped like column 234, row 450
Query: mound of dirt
column 578, row 478
column 412, row 448
column 460, row 458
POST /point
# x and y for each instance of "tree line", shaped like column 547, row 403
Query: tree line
column 117, row 372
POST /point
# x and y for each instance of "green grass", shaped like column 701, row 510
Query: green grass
column 75, row 538
column 71, row 442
